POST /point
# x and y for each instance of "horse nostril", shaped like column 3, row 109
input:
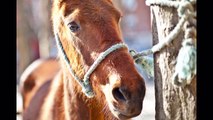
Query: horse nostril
column 118, row 94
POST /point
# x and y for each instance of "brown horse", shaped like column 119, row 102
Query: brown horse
column 35, row 76
column 86, row 30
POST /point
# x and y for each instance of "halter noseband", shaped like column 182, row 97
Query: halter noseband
column 85, row 84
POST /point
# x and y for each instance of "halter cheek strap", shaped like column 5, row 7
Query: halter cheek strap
column 85, row 84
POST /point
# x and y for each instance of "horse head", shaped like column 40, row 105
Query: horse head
column 87, row 28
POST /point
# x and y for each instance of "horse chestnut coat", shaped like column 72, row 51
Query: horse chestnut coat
column 86, row 28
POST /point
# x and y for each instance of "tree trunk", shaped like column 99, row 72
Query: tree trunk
column 172, row 102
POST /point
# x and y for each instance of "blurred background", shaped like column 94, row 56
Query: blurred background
column 35, row 39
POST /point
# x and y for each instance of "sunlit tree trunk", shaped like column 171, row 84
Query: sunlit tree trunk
column 172, row 102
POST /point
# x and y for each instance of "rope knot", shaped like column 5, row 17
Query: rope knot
column 185, row 69
column 145, row 62
column 184, row 8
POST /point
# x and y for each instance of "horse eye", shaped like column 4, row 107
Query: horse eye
column 74, row 27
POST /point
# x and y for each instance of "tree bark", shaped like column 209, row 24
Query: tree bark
column 172, row 102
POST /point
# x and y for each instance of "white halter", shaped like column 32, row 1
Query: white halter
column 86, row 87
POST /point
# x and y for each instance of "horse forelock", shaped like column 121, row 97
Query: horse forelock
column 92, row 11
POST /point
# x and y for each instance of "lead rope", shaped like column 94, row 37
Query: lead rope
column 85, row 84
column 185, row 69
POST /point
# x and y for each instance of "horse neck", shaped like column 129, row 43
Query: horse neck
column 77, row 106
column 80, row 107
